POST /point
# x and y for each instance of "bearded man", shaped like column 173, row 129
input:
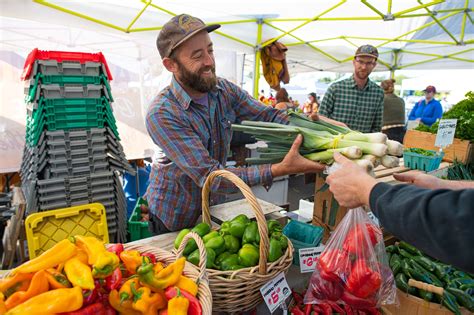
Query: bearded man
column 356, row 101
column 190, row 121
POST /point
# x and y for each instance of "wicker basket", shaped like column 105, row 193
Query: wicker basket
column 198, row 275
column 239, row 290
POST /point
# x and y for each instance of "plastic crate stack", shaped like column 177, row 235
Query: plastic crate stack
column 72, row 154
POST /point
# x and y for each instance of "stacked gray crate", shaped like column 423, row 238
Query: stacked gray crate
column 77, row 166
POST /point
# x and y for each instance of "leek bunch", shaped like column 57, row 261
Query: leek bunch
column 321, row 140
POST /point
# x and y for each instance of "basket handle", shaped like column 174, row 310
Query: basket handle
column 251, row 199
column 426, row 286
column 202, row 253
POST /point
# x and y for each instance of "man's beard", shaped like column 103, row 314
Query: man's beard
column 361, row 76
column 195, row 81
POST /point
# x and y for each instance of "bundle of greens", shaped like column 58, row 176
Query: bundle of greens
column 464, row 113
column 321, row 140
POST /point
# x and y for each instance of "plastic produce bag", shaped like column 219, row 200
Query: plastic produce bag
column 353, row 268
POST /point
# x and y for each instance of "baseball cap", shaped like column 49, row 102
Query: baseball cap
column 179, row 29
column 430, row 89
column 367, row 50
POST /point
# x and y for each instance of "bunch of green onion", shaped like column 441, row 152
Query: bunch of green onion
column 320, row 140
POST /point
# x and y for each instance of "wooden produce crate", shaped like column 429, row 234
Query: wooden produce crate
column 326, row 212
column 460, row 149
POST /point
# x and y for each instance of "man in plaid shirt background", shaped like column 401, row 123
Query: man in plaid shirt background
column 357, row 101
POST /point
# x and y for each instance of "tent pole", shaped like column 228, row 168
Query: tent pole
column 256, row 67
column 395, row 63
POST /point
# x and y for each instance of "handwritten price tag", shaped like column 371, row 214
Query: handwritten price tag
column 445, row 135
column 275, row 292
column 308, row 257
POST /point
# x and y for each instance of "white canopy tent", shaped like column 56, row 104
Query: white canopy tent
column 320, row 35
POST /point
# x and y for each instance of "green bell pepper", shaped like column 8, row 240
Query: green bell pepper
column 180, row 237
column 273, row 226
column 248, row 255
column 225, row 228
column 281, row 238
column 275, row 251
column 201, row 229
column 236, row 267
column 209, row 235
column 241, row 218
column 229, row 262
column 251, row 235
column 232, row 243
column 220, row 258
column 216, row 242
column 193, row 258
column 211, row 257
column 237, row 228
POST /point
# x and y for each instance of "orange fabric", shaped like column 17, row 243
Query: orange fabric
column 274, row 64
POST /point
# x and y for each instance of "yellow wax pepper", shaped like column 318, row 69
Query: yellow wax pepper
column 146, row 302
column 103, row 262
column 51, row 302
column 57, row 280
column 18, row 282
column 3, row 308
column 125, row 291
column 79, row 273
column 158, row 267
column 163, row 279
column 39, row 284
column 187, row 284
column 131, row 260
column 54, row 256
column 123, row 307
column 178, row 305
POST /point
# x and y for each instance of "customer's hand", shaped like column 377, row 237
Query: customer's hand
column 294, row 162
column 351, row 185
column 419, row 179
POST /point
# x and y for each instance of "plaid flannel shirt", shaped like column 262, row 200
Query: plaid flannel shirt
column 194, row 141
column 361, row 110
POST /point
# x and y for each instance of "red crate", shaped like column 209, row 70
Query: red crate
column 61, row 56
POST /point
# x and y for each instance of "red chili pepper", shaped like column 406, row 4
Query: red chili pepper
column 307, row 309
column 297, row 297
column 116, row 249
column 93, row 309
column 194, row 305
column 296, row 311
column 363, row 281
column 151, row 256
column 372, row 311
column 114, row 281
column 327, row 310
column 109, row 310
column 317, row 309
column 163, row 312
column 327, row 290
column 357, row 302
column 335, row 307
column 334, row 263
column 355, row 242
column 348, row 309
column 90, row 296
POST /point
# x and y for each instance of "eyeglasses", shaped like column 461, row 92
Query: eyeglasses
column 364, row 63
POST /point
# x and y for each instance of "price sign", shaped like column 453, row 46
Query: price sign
column 308, row 257
column 445, row 134
column 275, row 292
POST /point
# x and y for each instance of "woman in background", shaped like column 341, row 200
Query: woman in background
column 393, row 112
column 282, row 100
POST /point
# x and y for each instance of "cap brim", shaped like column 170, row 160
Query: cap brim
column 367, row 55
column 208, row 28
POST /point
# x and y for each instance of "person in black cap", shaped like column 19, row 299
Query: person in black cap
column 356, row 101
column 427, row 110
column 190, row 121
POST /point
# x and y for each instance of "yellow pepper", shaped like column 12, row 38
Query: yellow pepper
column 3, row 308
column 103, row 262
column 146, row 302
column 187, row 284
column 57, row 254
column 39, row 284
column 131, row 260
column 82, row 256
column 18, row 282
column 163, row 279
column 51, row 302
column 158, row 267
column 178, row 305
column 125, row 291
column 123, row 307
column 79, row 273
column 57, row 280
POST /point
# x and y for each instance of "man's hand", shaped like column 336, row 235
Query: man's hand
column 316, row 116
column 294, row 162
column 419, row 179
column 351, row 185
